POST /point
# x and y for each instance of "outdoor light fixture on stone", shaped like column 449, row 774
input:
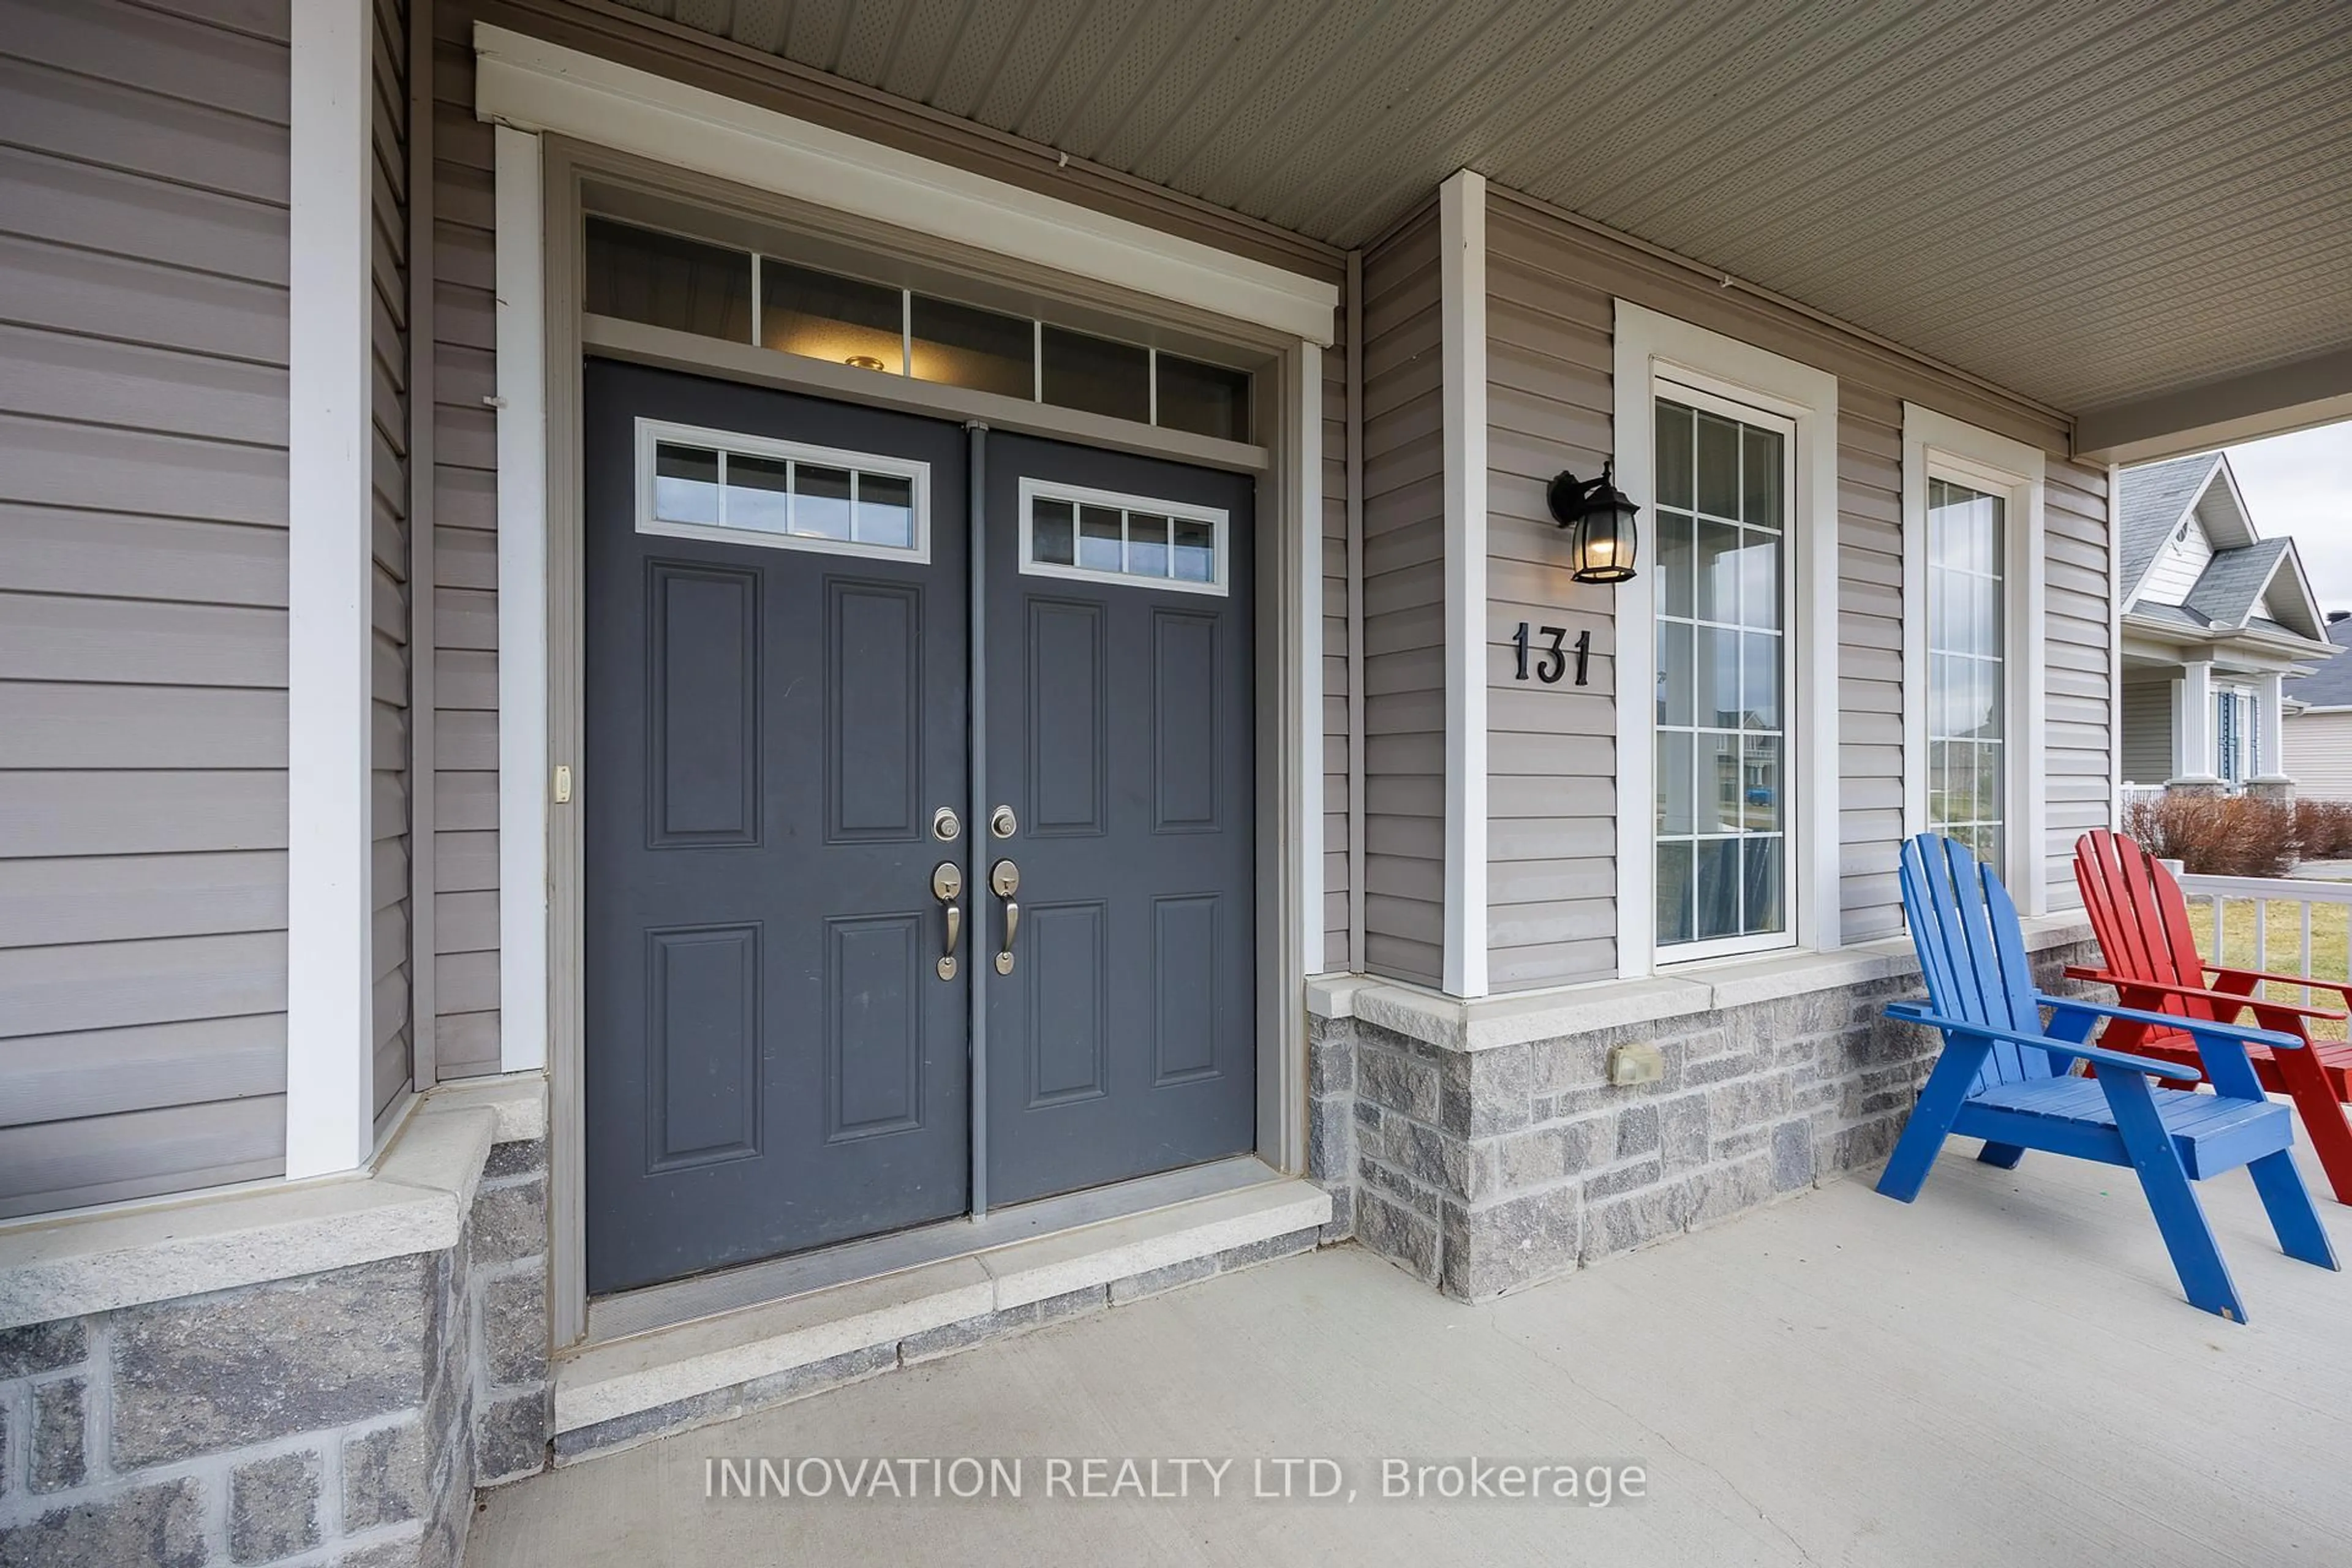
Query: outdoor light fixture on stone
column 1601, row 520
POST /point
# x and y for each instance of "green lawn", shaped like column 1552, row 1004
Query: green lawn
column 2281, row 948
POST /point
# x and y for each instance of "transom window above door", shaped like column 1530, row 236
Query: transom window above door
column 694, row 483
column 1722, row 778
column 1067, row 532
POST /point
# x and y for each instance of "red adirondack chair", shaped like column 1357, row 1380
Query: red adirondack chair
column 2142, row 922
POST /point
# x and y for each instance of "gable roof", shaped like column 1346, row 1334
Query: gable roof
column 2153, row 500
column 2233, row 581
column 2329, row 686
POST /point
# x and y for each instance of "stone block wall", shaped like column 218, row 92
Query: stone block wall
column 1484, row 1170
column 336, row 1420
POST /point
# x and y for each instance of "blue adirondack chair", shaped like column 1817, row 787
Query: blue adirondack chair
column 2006, row 1077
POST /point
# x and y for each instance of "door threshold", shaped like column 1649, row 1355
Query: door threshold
column 656, row 1306
column 701, row 1349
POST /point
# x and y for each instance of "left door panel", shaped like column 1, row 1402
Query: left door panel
column 773, row 1059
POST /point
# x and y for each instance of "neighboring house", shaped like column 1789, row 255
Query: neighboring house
column 2319, row 721
column 696, row 704
column 2216, row 618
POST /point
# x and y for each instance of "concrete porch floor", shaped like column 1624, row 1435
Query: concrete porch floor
column 2002, row 1372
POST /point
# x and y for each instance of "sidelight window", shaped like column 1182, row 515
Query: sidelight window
column 1966, row 696
column 1067, row 532
column 1721, row 767
column 748, row 489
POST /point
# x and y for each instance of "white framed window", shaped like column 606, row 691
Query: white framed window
column 1725, row 663
column 1069, row 531
column 1745, row 576
column 1972, row 646
column 2236, row 737
column 734, row 488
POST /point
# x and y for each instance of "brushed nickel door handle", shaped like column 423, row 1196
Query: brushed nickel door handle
column 947, row 886
column 1005, row 878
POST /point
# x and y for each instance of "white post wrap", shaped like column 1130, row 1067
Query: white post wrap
column 2192, row 724
column 330, row 981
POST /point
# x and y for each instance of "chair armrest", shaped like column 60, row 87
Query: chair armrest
column 2236, row 999
column 2340, row 987
column 1917, row 1013
column 2201, row 1028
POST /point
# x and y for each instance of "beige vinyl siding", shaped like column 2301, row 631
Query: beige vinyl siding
column 390, row 676
column 2147, row 717
column 1335, row 956
column 1404, row 608
column 1551, row 284
column 2319, row 754
column 465, row 608
column 2177, row 566
column 142, row 599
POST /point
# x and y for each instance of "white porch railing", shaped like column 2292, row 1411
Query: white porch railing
column 2284, row 925
column 2134, row 793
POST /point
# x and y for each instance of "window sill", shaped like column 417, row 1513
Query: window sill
column 1452, row 1024
column 415, row 1198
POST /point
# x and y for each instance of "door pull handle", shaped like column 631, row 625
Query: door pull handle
column 947, row 886
column 1005, row 878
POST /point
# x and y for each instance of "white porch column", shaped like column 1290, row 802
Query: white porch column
column 2192, row 724
column 329, row 1111
column 2270, row 729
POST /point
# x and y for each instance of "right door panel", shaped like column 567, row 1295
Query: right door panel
column 1120, row 716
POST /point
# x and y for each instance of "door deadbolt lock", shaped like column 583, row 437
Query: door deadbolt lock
column 1003, row 822
column 947, row 886
column 946, row 824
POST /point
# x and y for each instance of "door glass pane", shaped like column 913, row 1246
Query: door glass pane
column 1967, row 687
column 664, row 280
column 1096, row 374
column 1052, row 532
column 758, row 493
column 823, row 317
column 1205, row 399
column 962, row 345
column 1674, row 808
column 1146, row 545
column 1722, row 674
column 886, row 511
column 686, row 484
column 1098, row 539
column 1196, row 551
column 820, row 501
column 1674, row 890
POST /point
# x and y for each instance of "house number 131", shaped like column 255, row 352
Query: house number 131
column 1552, row 662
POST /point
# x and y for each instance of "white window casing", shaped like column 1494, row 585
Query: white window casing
column 1938, row 447
column 1657, row 355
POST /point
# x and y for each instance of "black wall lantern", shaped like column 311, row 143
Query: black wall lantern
column 1602, row 522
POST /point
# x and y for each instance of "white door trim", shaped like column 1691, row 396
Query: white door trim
column 1651, row 347
column 330, row 707
column 1462, row 280
column 532, row 85
column 1936, row 445
column 523, row 768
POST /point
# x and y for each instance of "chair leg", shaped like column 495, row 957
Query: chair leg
column 1931, row 1120
column 2323, row 1118
column 2005, row 1156
column 2288, row 1203
column 2204, row 1277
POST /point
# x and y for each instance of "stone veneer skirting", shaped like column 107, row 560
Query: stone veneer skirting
column 1484, row 1170
column 340, row 1419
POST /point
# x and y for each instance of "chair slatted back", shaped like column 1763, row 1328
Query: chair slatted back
column 1963, row 928
column 2140, row 917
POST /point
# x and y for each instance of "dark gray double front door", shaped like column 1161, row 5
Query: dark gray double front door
column 775, row 1059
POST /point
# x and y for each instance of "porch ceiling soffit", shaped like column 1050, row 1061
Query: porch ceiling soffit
column 2100, row 206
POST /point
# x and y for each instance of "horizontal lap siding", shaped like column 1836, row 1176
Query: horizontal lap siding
column 1405, row 609
column 142, row 599
column 2148, row 730
column 2319, row 756
column 389, row 807
column 1552, row 829
column 466, row 605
